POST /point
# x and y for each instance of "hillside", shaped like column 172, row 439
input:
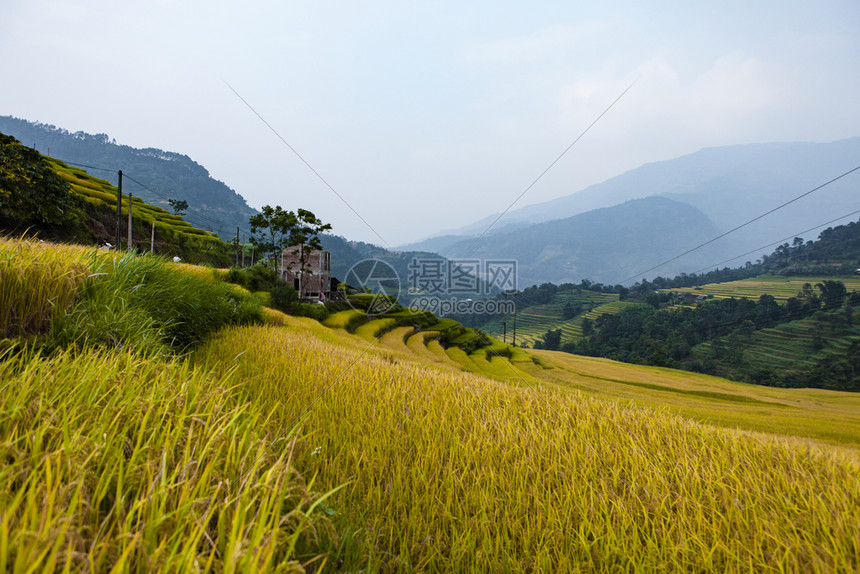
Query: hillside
column 40, row 195
column 257, row 447
column 606, row 245
column 213, row 206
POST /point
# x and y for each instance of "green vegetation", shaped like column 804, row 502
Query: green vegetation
column 42, row 196
column 277, row 229
column 719, row 335
column 73, row 297
column 550, row 307
column 213, row 205
column 298, row 446
column 771, row 329
column 33, row 194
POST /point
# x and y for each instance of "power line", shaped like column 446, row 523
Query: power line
column 315, row 172
column 793, row 235
column 89, row 166
column 216, row 222
column 550, row 166
column 850, row 171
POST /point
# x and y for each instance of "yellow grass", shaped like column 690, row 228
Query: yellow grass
column 296, row 445
column 830, row 416
column 36, row 280
column 112, row 463
column 447, row 471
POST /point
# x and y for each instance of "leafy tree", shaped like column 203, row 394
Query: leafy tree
column 551, row 340
column 179, row 206
column 273, row 231
column 32, row 193
column 832, row 293
column 305, row 235
column 587, row 326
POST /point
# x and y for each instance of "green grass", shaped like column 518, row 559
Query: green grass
column 59, row 297
column 298, row 446
column 116, row 463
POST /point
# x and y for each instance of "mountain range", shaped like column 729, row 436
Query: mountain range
column 608, row 232
column 725, row 187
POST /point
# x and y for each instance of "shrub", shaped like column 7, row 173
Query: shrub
column 283, row 297
column 140, row 302
column 311, row 310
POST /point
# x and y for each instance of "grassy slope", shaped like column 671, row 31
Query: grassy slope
column 441, row 470
column 828, row 416
column 456, row 472
column 173, row 235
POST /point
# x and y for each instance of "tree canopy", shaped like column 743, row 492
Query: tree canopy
column 31, row 192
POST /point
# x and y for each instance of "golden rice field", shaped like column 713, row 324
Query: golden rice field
column 294, row 446
column 781, row 287
column 447, row 471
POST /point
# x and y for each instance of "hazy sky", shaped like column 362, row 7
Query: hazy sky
column 430, row 115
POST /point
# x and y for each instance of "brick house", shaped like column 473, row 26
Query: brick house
column 316, row 283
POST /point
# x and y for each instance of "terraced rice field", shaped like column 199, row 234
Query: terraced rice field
column 791, row 345
column 780, row 287
column 533, row 322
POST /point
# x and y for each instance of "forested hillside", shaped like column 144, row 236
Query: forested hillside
column 44, row 197
column 167, row 175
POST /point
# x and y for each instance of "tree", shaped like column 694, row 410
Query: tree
column 32, row 193
column 832, row 293
column 275, row 227
column 305, row 235
column 587, row 327
column 179, row 206
column 569, row 311
column 551, row 340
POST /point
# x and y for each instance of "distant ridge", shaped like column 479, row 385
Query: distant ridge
column 727, row 185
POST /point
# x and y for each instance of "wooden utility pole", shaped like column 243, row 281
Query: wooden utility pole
column 237, row 246
column 129, row 222
column 243, row 250
column 118, row 211
column 505, row 321
column 515, row 318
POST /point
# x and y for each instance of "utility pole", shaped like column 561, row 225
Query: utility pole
column 129, row 222
column 237, row 246
column 152, row 240
column 118, row 211
column 243, row 250
column 515, row 318
column 505, row 321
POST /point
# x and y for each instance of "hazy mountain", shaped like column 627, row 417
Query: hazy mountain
column 212, row 204
column 730, row 185
column 606, row 245
column 434, row 244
